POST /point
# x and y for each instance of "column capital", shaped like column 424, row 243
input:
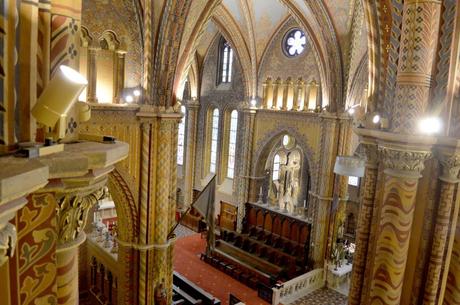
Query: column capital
column 371, row 154
column 450, row 166
column 192, row 104
column 401, row 162
column 72, row 211
column 8, row 238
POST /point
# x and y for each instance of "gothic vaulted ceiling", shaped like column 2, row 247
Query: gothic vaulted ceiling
column 249, row 25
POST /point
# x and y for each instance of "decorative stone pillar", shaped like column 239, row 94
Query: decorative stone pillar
column 402, row 172
column 91, row 96
column 119, row 76
column 452, row 292
column 449, row 180
column 71, row 214
column 245, row 167
column 417, row 54
column 277, row 91
column 299, row 95
column 189, row 173
column 364, row 223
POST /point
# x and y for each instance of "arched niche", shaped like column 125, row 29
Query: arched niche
column 288, row 189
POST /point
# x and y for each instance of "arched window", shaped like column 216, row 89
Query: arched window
column 226, row 62
column 276, row 167
column 181, row 138
column 232, row 144
column 214, row 139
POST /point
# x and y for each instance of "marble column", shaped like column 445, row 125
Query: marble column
column 364, row 223
column 403, row 166
column 449, row 181
column 190, row 151
column 119, row 76
column 245, row 167
column 91, row 96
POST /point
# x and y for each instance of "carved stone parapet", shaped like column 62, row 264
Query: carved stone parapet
column 72, row 212
column 8, row 238
column 403, row 163
column 450, row 167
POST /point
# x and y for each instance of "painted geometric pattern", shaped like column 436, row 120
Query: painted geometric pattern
column 36, row 251
column 64, row 42
column 322, row 297
column 393, row 240
column 452, row 295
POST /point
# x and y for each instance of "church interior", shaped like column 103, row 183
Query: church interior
column 229, row 152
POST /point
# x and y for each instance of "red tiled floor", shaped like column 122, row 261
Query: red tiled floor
column 187, row 262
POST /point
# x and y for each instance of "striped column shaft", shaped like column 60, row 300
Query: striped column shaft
column 395, row 223
column 67, row 271
column 364, row 225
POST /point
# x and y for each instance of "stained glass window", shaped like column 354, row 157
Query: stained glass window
column 232, row 144
column 226, row 62
column 181, row 138
column 214, row 139
column 294, row 43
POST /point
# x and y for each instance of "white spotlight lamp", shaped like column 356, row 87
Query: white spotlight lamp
column 430, row 125
column 57, row 99
column 351, row 111
column 376, row 119
column 253, row 103
column 129, row 99
column 137, row 92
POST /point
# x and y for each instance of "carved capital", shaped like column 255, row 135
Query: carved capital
column 450, row 167
column 403, row 163
column 371, row 154
column 72, row 211
column 8, row 238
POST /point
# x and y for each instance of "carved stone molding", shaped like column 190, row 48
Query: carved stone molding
column 8, row 239
column 72, row 211
column 403, row 163
column 450, row 165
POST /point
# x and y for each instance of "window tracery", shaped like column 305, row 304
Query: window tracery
column 294, row 42
column 226, row 62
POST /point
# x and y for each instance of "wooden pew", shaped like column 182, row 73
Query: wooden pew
column 193, row 291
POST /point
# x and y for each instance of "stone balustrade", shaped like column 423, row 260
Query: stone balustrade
column 290, row 95
column 299, row 287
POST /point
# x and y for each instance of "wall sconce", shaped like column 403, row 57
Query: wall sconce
column 57, row 99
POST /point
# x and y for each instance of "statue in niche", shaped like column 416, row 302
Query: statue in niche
column 289, row 173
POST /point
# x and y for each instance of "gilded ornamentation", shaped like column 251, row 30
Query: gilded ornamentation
column 72, row 212
column 8, row 238
column 403, row 162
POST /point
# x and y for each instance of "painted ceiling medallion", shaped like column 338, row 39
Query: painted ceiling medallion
column 294, row 43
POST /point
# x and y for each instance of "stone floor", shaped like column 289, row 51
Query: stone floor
column 322, row 297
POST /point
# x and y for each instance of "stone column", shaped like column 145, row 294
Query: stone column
column 452, row 292
column 403, row 166
column 91, row 96
column 364, row 223
column 449, row 180
column 119, row 76
column 189, row 173
column 417, row 53
column 245, row 167
column 71, row 214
